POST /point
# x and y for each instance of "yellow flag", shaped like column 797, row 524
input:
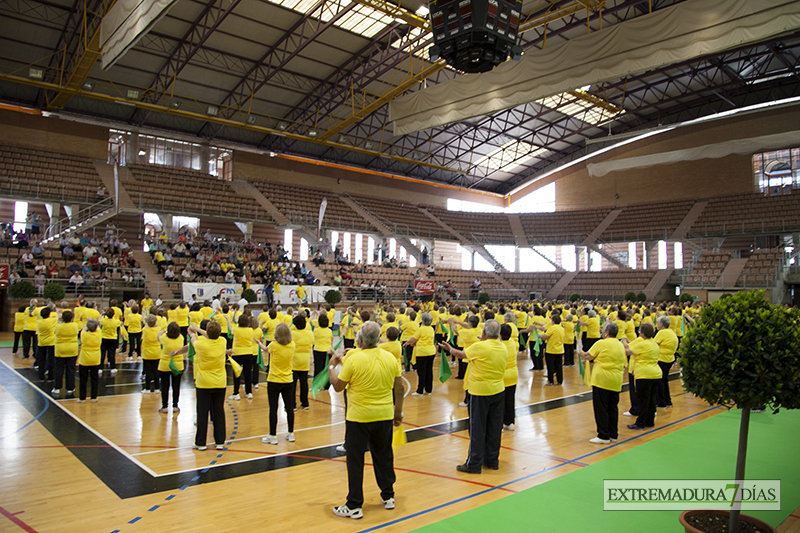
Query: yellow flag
column 399, row 436
column 587, row 374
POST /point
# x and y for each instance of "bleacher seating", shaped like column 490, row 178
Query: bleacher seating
column 611, row 284
column 761, row 269
column 561, row 227
column 707, row 269
column 749, row 213
column 402, row 217
column 533, row 281
column 486, row 228
column 647, row 221
column 36, row 173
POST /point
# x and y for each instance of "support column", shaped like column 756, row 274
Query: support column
column 132, row 150
column 166, row 224
column 516, row 260
column 204, row 155
column 54, row 213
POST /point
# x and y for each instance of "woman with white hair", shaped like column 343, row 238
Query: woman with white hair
column 425, row 352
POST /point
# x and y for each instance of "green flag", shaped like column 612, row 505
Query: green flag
column 444, row 371
column 320, row 380
column 581, row 368
column 683, row 326
column 260, row 360
column 173, row 366
column 577, row 329
column 537, row 342
column 190, row 350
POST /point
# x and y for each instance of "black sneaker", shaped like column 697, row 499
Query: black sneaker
column 468, row 469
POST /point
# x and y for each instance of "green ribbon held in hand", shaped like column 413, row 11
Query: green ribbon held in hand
column 444, row 370
column 537, row 342
column 190, row 350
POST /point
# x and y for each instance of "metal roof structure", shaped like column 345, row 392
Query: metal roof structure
column 313, row 78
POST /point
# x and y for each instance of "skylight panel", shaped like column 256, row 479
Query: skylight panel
column 510, row 155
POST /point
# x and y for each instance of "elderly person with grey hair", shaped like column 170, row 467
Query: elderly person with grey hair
column 608, row 355
column 667, row 342
column 487, row 363
column 373, row 380
column 425, row 352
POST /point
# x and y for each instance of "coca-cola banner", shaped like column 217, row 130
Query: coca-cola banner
column 423, row 286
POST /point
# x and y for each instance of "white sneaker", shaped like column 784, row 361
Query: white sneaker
column 290, row 437
column 234, row 397
column 613, row 440
column 270, row 439
column 249, row 396
column 55, row 393
column 388, row 504
column 627, row 413
column 346, row 512
column 598, row 440
column 163, row 410
column 200, row 448
column 427, row 393
column 341, row 449
column 220, row 446
column 462, row 404
column 509, row 427
column 416, row 394
column 255, row 385
column 113, row 371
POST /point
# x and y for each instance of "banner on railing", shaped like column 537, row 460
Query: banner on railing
column 5, row 271
column 423, row 286
column 233, row 292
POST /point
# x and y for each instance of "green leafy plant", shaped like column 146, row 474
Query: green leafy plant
column 742, row 352
column 641, row 297
column 333, row 297
column 54, row 291
column 22, row 290
column 483, row 298
column 630, row 296
column 684, row 298
column 574, row 297
column 249, row 295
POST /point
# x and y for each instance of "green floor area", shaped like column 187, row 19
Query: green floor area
column 704, row 450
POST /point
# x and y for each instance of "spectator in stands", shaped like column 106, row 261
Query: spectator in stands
column 27, row 259
column 310, row 279
column 431, row 270
column 52, row 269
column 169, row 275
column 76, row 280
column 68, row 251
column 74, row 267
column 38, row 281
column 89, row 250
column 424, row 255
column 40, row 268
column 180, row 250
column 37, row 250
column 187, row 274
column 75, row 243
column 14, row 277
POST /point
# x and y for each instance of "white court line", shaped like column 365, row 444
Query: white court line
column 81, row 422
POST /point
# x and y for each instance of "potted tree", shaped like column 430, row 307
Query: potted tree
column 742, row 352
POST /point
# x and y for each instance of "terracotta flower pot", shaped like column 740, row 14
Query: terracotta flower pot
column 742, row 517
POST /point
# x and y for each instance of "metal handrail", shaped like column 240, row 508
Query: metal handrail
column 80, row 217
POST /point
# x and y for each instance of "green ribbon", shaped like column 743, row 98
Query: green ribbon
column 537, row 342
column 444, row 370
column 190, row 350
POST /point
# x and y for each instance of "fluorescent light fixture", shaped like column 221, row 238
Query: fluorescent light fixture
column 251, row 119
column 585, row 88
column 133, row 95
column 423, row 11
column 123, row 102
column 174, row 104
column 312, row 133
column 142, row 152
column 272, row 154
column 35, row 73
column 282, row 126
column 212, row 111
column 368, row 145
column 88, row 86
column 342, row 139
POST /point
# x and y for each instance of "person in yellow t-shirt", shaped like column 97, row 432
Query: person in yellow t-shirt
column 109, row 326
column 644, row 354
column 133, row 321
column 151, row 353
column 554, row 350
column 425, row 353
column 66, row 352
column 242, row 351
column 323, row 338
column 392, row 344
column 89, row 359
column 182, row 314
column 90, row 312
column 171, row 341
column 568, row 323
column 19, row 326
column 279, row 381
column 301, row 361
column 373, row 380
column 408, row 328
column 667, row 345
column 487, row 365
column 146, row 301
column 29, row 339
column 608, row 355
column 45, row 351
column 511, row 375
column 195, row 316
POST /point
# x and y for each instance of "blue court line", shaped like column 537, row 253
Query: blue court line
column 168, row 498
column 135, row 520
column 153, row 508
column 486, row 491
column 35, row 418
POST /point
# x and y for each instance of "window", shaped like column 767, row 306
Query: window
column 20, row 215
column 662, row 255
column 678, row 255
column 777, row 172
column 359, row 255
column 287, row 243
column 303, row 249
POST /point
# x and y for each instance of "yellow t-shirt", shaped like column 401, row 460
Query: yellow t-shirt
column 394, row 348
column 387, row 325
column 621, row 329
column 19, row 321
column 487, row 366
column 109, row 327
column 467, row 336
column 207, row 311
column 183, row 316
column 569, row 332
column 78, row 316
column 219, row 317
column 45, row 329
column 31, row 315
column 90, row 314
column 90, row 348
column 195, row 317
column 424, row 346
column 269, row 328
column 555, row 339
column 511, row 374
column 323, row 338
column 257, row 335
column 644, row 363
column 630, row 330
column 370, row 376
column 667, row 344
column 609, row 360
column 408, row 329
column 134, row 323
column 242, row 341
column 303, row 343
column 151, row 347
column 66, row 339
column 280, row 362
column 593, row 327
column 168, row 346
column 209, row 363
column 146, row 303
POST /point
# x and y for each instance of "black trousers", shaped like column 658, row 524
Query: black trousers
column 634, row 410
column 536, row 356
column 663, row 397
column 606, row 412
column 349, row 343
column 485, row 428
column 425, row 373
column 408, row 351
column 45, row 360
column 29, row 339
column 646, row 392
column 85, row 374
column 65, row 364
column 300, row 376
column 17, row 337
column 378, row 436
column 185, row 333
column 588, row 343
column 282, row 390
column 508, row 404
column 108, row 349
column 569, row 354
column 555, row 372
column 210, row 401
column 319, row 364
column 124, row 347
column 136, row 343
column 150, row 371
column 247, row 374
column 167, row 379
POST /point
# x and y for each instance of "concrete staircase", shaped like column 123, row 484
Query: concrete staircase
column 591, row 240
column 731, row 273
column 657, row 283
column 565, row 280
column 463, row 241
column 690, row 218
column 382, row 228
column 519, row 232
column 106, row 173
column 247, row 190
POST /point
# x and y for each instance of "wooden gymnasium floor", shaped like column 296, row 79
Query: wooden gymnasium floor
column 119, row 465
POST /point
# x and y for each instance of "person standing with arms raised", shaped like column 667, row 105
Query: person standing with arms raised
column 373, row 380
